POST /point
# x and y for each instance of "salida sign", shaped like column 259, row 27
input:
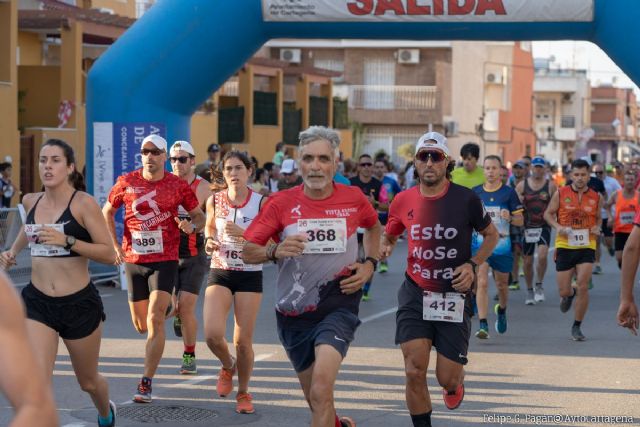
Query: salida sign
column 428, row 10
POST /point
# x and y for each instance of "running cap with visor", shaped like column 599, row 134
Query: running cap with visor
column 538, row 161
column 184, row 146
column 433, row 140
column 288, row 166
column 157, row 140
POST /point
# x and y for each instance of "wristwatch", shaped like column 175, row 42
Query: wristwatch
column 70, row 242
column 373, row 261
column 474, row 266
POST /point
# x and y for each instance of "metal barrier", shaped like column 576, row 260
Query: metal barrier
column 11, row 220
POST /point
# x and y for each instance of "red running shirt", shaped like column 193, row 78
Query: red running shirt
column 439, row 231
column 150, row 231
column 307, row 288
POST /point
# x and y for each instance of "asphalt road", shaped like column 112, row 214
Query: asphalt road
column 532, row 375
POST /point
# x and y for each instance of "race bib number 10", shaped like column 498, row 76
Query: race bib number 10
column 324, row 236
column 579, row 238
column 447, row 307
column 146, row 242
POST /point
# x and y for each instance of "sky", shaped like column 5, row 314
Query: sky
column 584, row 55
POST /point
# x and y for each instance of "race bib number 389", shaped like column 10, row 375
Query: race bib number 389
column 146, row 242
column 324, row 236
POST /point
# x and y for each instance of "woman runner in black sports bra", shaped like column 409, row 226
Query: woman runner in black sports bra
column 65, row 228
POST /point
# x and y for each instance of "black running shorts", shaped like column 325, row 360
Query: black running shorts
column 567, row 259
column 236, row 281
column 620, row 239
column 450, row 339
column 72, row 316
column 142, row 279
column 191, row 273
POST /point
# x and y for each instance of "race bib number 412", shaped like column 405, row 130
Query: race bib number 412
column 324, row 236
column 447, row 307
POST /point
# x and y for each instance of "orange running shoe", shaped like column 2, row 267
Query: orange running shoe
column 225, row 380
column 453, row 400
column 244, row 405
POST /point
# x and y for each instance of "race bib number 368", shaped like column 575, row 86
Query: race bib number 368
column 324, row 236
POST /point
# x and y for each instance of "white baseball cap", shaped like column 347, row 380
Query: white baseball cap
column 184, row 146
column 433, row 140
column 157, row 140
column 288, row 166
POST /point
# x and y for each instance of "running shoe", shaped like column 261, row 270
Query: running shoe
column 538, row 294
column 143, row 394
column 225, row 380
column 347, row 422
column 565, row 303
column 530, row 300
column 612, row 251
column 114, row 412
column 576, row 333
column 453, row 399
column 384, row 267
column 483, row 331
column 501, row 320
column 188, row 365
column 514, row 286
column 243, row 403
column 597, row 269
column 177, row 326
column 365, row 296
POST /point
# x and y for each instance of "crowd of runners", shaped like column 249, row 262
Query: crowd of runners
column 329, row 224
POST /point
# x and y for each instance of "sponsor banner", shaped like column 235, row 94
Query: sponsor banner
column 428, row 10
column 116, row 151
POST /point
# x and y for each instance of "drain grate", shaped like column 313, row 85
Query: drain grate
column 160, row 414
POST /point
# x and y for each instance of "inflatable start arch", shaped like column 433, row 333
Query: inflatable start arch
column 158, row 73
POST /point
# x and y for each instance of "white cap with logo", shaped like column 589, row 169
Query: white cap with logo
column 157, row 140
column 288, row 166
column 184, row 146
column 433, row 140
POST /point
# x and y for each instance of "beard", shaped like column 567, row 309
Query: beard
column 434, row 181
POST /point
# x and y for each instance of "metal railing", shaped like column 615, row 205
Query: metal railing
column 379, row 97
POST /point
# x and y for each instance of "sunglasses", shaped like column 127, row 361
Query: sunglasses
column 146, row 152
column 366, row 165
column 182, row 160
column 435, row 156
column 599, row 172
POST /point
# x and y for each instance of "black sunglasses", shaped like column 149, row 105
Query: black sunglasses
column 599, row 172
column 182, row 160
column 146, row 152
column 365, row 165
column 435, row 156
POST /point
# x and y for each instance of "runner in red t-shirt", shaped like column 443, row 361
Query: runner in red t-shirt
column 319, row 283
column 434, row 302
column 151, row 197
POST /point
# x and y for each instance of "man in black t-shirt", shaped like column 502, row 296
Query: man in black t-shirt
column 370, row 186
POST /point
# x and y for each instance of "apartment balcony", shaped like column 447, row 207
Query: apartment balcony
column 395, row 104
column 606, row 131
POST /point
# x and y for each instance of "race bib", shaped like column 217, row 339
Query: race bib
column 146, row 242
column 37, row 249
column 324, row 236
column 532, row 235
column 494, row 213
column 231, row 254
column 579, row 238
column 627, row 217
column 447, row 307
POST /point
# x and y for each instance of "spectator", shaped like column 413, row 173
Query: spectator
column 278, row 157
column 6, row 187
column 204, row 169
column 290, row 177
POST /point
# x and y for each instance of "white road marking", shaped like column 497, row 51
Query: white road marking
column 379, row 315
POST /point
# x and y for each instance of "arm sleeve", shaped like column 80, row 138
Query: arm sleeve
column 479, row 218
column 395, row 226
column 116, row 194
column 266, row 225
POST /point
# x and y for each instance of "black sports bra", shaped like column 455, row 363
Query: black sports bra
column 70, row 224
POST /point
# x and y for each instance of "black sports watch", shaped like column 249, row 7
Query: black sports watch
column 70, row 242
column 473, row 265
column 373, row 261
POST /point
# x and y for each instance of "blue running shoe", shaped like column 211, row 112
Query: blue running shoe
column 501, row 320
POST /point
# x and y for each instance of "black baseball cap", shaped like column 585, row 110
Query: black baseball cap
column 213, row 148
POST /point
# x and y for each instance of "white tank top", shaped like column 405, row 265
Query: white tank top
column 229, row 255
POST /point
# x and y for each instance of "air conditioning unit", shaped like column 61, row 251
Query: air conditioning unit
column 566, row 97
column 494, row 78
column 106, row 10
column 293, row 56
column 408, row 56
column 450, row 128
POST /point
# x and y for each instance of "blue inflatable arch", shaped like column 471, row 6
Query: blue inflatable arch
column 162, row 69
